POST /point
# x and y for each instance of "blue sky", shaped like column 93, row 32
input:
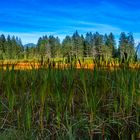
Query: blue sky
column 30, row 19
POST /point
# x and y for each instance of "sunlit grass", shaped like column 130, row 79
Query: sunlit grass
column 68, row 101
column 87, row 63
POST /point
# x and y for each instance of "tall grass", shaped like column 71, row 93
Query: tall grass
column 70, row 103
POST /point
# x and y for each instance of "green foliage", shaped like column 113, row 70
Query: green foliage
column 126, row 47
column 10, row 48
column 97, row 46
column 69, row 103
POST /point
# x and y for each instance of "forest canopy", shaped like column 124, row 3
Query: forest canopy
column 93, row 45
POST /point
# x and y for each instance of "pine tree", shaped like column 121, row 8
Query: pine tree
column 123, row 43
column 88, row 44
column 131, row 45
column 2, row 46
column 67, row 45
column 54, row 44
column 99, row 43
column 77, row 44
column 109, row 41
column 126, row 47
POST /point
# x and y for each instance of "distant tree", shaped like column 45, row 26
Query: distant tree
column 27, row 52
column 42, row 46
column 126, row 47
column 88, row 44
column 2, row 46
column 58, row 47
column 77, row 44
column 110, row 44
column 131, row 46
column 14, row 48
column 67, row 45
column 99, row 43
column 8, row 48
column 123, row 43
column 54, row 44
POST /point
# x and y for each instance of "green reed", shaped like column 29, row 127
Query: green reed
column 70, row 103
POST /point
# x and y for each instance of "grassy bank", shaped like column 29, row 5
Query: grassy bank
column 70, row 103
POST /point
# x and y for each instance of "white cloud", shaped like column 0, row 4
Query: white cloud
column 102, row 28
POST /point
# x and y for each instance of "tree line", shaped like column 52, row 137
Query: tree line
column 93, row 45
column 10, row 47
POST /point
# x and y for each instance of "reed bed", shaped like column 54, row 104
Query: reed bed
column 77, row 63
column 70, row 103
